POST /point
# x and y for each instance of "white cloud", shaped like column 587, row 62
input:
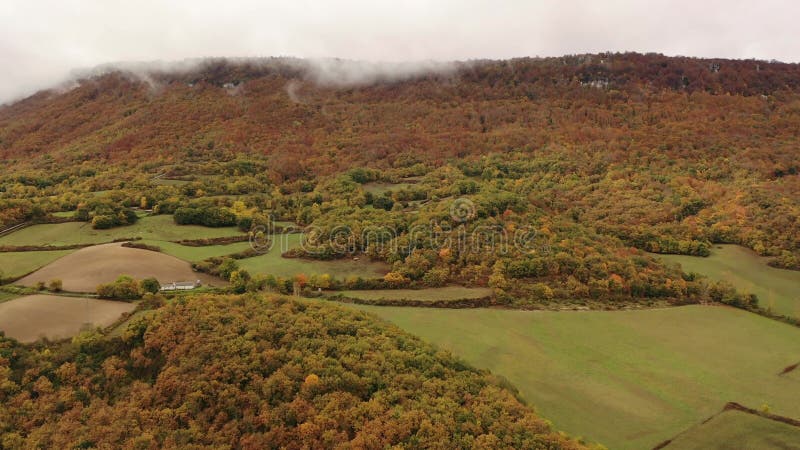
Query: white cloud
column 41, row 41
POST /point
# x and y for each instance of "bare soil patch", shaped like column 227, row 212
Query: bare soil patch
column 29, row 318
column 83, row 270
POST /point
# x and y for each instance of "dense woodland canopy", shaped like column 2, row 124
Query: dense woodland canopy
column 600, row 157
column 593, row 160
column 294, row 375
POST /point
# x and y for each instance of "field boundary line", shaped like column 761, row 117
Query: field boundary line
column 789, row 369
column 14, row 228
column 732, row 406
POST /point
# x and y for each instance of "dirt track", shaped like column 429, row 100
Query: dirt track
column 26, row 319
column 83, row 270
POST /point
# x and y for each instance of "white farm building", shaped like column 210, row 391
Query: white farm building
column 181, row 286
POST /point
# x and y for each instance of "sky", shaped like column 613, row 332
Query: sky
column 43, row 42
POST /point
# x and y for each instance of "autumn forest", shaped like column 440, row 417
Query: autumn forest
column 549, row 184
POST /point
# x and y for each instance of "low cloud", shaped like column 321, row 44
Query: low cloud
column 41, row 41
column 328, row 72
column 339, row 72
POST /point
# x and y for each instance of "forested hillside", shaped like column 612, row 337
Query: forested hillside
column 599, row 157
column 251, row 372
column 522, row 184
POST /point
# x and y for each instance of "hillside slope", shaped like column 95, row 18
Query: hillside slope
column 250, row 372
column 595, row 153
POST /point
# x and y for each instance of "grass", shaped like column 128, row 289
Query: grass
column 626, row 379
column 738, row 429
column 16, row 264
column 273, row 263
column 6, row 296
column 193, row 254
column 286, row 224
column 169, row 182
column 776, row 289
column 431, row 294
column 161, row 228
column 378, row 188
column 63, row 213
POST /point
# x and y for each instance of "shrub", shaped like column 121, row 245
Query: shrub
column 542, row 291
column 395, row 278
column 152, row 301
column 227, row 268
column 141, row 246
column 150, row 285
column 211, row 216
column 125, row 288
column 245, row 223
column 239, row 281
column 103, row 222
column 56, row 285
column 383, row 202
column 104, row 214
column 437, row 276
column 361, row 175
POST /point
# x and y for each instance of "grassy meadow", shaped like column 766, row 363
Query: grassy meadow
column 429, row 294
column 380, row 188
column 738, row 429
column 271, row 262
column 160, row 231
column 6, row 296
column 776, row 289
column 160, row 228
column 16, row 264
column 193, row 254
column 626, row 379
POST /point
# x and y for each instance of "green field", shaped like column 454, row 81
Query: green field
column 738, row 429
column 16, row 264
column 286, row 224
column 169, row 182
column 161, row 228
column 63, row 213
column 193, row 254
column 776, row 289
column 6, row 296
column 626, row 379
column 432, row 294
column 379, row 188
column 273, row 263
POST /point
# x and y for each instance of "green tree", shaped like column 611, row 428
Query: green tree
column 239, row 279
column 124, row 288
column 150, row 285
column 227, row 268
